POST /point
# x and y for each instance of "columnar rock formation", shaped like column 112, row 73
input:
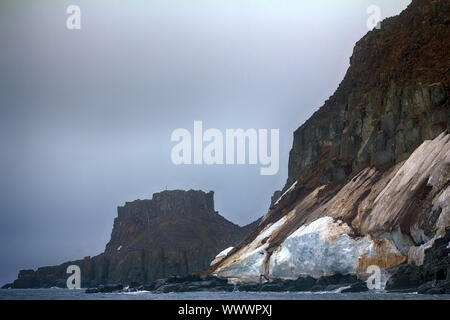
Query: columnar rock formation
column 175, row 233
column 393, row 97
column 369, row 172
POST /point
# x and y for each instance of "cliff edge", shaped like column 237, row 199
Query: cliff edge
column 175, row 233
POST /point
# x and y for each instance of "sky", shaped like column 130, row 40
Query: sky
column 86, row 115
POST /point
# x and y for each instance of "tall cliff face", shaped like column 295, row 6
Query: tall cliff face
column 175, row 233
column 369, row 172
column 394, row 96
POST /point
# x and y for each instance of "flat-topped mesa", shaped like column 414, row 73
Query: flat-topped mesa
column 171, row 202
column 175, row 233
column 170, row 207
column 195, row 201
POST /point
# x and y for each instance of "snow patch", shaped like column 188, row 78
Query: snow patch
column 222, row 254
column 319, row 249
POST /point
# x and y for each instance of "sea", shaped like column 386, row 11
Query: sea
column 66, row 294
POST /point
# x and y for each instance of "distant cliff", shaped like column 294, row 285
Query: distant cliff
column 175, row 233
column 369, row 172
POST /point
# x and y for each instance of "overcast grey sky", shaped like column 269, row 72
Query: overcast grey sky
column 86, row 115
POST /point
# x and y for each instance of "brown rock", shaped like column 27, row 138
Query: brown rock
column 175, row 233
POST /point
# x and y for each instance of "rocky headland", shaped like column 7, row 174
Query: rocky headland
column 175, row 233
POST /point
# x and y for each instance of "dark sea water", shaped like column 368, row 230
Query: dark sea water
column 65, row 294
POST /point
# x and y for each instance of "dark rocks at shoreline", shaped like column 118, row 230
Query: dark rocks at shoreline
column 435, row 287
column 337, row 281
column 188, row 283
column 106, row 289
column 309, row 284
column 7, row 286
column 359, row 286
column 405, row 277
column 433, row 277
column 211, row 283
column 304, row 283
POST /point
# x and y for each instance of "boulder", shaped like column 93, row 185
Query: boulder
column 304, row 283
column 249, row 287
column 431, row 277
column 7, row 286
column 359, row 286
column 278, row 286
column 110, row 288
column 92, row 290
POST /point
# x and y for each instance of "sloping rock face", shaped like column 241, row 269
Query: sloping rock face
column 175, row 233
column 376, row 218
column 369, row 172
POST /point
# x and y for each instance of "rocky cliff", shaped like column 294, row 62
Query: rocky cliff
column 394, row 96
column 368, row 184
column 175, row 233
column 369, row 172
